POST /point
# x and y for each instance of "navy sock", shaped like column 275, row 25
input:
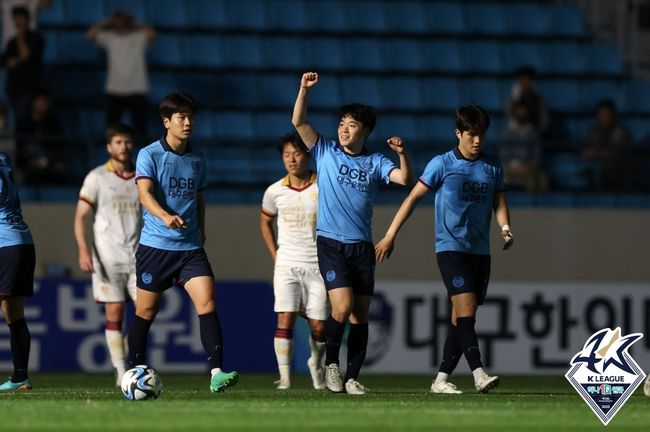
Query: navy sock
column 357, row 344
column 469, row 341
column 212, row 339
column 20, row 343
column 138, row 334
column 333, row 337
column 452, row 351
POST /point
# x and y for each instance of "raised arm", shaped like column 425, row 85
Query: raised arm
column 401, row 175
column 502, row 214
column 299, row 118
column 91, row 33
column 83, row 211
column 268, row 233
column 148, row 201
column 384, row 248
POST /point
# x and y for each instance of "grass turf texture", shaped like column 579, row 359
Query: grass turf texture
column 83, row 402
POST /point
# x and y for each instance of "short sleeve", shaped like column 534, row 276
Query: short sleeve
column 432, row 175
column 145, row 167
column 269, row 206
column 89, row 190
column 386, row 166
column 104, row 38
column 500, row 184
column 321, row 147
column 203, row 175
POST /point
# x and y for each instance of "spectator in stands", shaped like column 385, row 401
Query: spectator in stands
column 39, row 151
column 521, row 152
column 126, row 41
column 607, row 149
column 23, row 60
column 7, row 142
column 6, row 6
column 523, row 90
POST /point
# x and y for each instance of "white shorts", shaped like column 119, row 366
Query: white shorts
column 112, row 284
column 300, row 289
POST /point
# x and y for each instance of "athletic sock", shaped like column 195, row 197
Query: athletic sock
column 469, row 341
column 334, row 336
column 357, row 344
column 212, row 339
column 317, row 348
column 283, row 344
column 138, row 334
column 451, row 354
column 115, row 344
column 20, row 343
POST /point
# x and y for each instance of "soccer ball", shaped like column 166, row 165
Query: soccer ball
column 140, row 383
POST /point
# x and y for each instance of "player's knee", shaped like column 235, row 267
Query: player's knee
column 341, row 313
column 204, row 307
column 146, row 312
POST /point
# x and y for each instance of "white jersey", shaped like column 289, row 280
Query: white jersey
column 118, row 219
column 296, row 211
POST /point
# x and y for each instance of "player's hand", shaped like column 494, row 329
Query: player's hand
column 86, row 262
column 174, row 221
column 309, row 79
column 384, row 249
column 507, row 238
column 396, row 144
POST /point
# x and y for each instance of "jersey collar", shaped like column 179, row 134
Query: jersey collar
column 167, row 147
column 364, row 151
column 460, row 156
column 111, row 168
column 311, row 181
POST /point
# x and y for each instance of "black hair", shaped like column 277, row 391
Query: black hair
column 607, row 104
column 294, row 140
column 20, row 11
column 473, row 119
column 365, row 114
column 526, row 71
column 118, row 129
column 177, row 102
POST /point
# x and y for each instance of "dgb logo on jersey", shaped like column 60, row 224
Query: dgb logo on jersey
column 604, row 373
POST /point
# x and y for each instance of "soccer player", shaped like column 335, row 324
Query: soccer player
column 110, row 195
column 171, row 177
column 17, row 261
column 348, row 179
column 468, row 186
column 297, row 284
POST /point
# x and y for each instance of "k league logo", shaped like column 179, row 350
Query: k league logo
column 604, row 373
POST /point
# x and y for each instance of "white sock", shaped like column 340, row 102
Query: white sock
column 215, row 371
column 478, row 372
column 317, row 350
column 283, row 351
column 115, row 344
column 441, row 377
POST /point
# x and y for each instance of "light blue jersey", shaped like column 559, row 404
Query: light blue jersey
column 13, row 229
column 464, row 200
column 177, row 180
column 347, row 186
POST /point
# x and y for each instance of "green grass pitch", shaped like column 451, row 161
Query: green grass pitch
column 87, row 402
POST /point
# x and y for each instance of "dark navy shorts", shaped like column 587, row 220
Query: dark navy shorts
column 159, row 269
column 17, row 270
column 465, row 273
column 347, row 265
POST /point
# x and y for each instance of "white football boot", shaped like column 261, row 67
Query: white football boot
column 333, row 378
column 354, row 387
column 444, row 387
column 485, row 383
column 316, row 372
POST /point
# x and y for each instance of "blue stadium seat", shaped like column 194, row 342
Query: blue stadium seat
column 328, row 95
column 51, row 50
column 288, row 14
column 203, row 127
column 247, row 14
column 403, row 55
column 441, row 94
column 209, row 14
column 234, row 125
column 161, row 83
column 438, row 131
column 638, row 96
column 75, row 47
column 229, row 165
column 362, row 89
column 443, row 56
column 92, row 123
column 82, row 12
column 497, row 125
column 483, row 56
column 322, row 53
column 406, row 16
column 325, row 124
column 54, row 15
column 282, row 52
column 566, row 170
column 366, row 16
column 565, row 19
column 203, row 50
column 167, row 13
column 231, row 90
column 446, row 17
column 402, row 93
column 518, row 54
column 405, row 126
column 363, row 54
column 77, row 84
column 279, row 91
column 327, row 15
column 270, row 126
column 602, row 58
column 593, row 92
column 136, row 8
column 486, row 18
column 207, row 90
column 639, row 128
column 577, row 128
column 243, row 51
column 527, row 18
column 267, row 164
column 564, row 58
column 489, row 93
column 166, row 50
column 561, row 95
